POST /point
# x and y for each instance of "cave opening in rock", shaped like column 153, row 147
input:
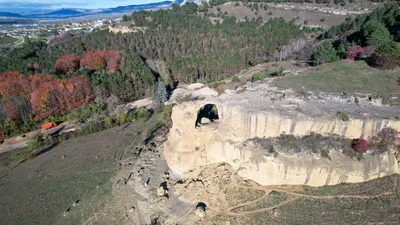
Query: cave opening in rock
column 207, row 116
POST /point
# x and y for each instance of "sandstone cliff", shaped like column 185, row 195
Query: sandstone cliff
column 258, row 112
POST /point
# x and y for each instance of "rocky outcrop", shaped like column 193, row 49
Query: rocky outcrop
column 260, row 112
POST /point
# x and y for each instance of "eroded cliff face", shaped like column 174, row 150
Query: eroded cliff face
column 189, row 147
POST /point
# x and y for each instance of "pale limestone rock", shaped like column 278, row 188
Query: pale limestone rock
column 205, row 92
column 199, row 212
column 161, row 191
column 253, row 114
column 195, row 86
column 205, row 120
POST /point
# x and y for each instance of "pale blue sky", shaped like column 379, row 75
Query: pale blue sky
column 31, row 5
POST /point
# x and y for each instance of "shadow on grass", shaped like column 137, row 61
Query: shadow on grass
column 39, row 152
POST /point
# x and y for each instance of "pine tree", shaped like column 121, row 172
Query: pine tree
column 161, row 95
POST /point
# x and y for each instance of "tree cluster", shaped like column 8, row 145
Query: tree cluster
column 371, row 37
column 40, row 95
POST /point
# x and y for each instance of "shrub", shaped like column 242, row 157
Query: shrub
column 354, row 52
column 122, row 119
column 360, row 145
column 25, row 154
column 384, row 62
column 8, row 127
column 369, row 50
column 143, row 113
column 235, row 79
column 259, row 76
column 343, row 116
column 183, row 98
column 278, row 73
column 108, row 121
column 36, row 141
column 387, row 137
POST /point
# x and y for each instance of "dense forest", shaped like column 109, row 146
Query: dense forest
column 194, row 48
column 40, row 81
column 112, row 68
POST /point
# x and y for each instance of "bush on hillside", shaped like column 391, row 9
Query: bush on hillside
column 354, row 52
column 384, row 62
column 324, row 53
column 259, row 76
column 343, row 116
column 360, row 145
column 369, row 50
column 235, row 79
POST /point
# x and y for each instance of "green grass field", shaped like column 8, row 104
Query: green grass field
column 7, row 40
column 345, row 77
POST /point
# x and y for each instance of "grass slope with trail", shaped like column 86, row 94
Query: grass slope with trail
column 75, row 182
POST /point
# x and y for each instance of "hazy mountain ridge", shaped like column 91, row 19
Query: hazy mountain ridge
column 76, row 12
column 8, row 14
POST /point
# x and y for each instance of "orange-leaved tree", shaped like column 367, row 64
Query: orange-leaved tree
column 59, row 97
column 67, row 64
column 101, row 59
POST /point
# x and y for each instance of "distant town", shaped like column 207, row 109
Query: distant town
column 46, row 31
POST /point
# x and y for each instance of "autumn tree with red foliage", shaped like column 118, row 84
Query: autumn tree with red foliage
column 101, row 59
column 67, row 64
column 360, row 145
column 59, row 97
column 13, row 84
column 369, row 50
column 12, row 111
column 354, row 52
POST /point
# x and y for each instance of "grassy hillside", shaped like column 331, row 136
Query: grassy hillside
column 345, row 77
column 75, row 182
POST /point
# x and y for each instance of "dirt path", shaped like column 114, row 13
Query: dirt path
column 293, row 196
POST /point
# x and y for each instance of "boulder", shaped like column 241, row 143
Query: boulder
column 194, row 86
column 205, row 92
column 161, row 191
column 200, row 212
column 205, row 120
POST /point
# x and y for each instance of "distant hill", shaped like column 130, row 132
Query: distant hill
column 75, row 12
column 64, row 12
column 156, row 5
column 198, row 2
column 7, row 14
